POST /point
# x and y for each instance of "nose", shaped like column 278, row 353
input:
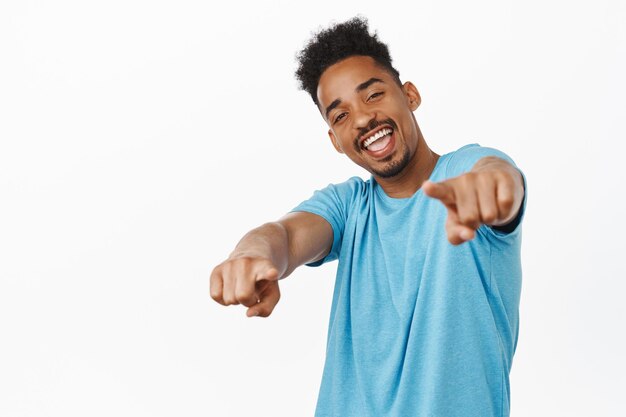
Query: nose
column 363, row 116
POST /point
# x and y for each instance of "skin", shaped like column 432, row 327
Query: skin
column 491, row 193
column 380, row 101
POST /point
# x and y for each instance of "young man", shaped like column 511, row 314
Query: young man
column 424, row 319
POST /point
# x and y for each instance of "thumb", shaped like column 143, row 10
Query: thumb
column 265, row 269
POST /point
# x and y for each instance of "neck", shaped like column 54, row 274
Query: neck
column 418, row 170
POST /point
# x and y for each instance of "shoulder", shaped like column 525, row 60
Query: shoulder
column 463, row 159
column 346, row 190
column 335, row 197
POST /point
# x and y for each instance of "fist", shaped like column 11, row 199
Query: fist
column 251, row 281
column 489, row 196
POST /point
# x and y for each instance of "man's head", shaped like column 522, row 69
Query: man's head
column 349, row 75
column 335, row 44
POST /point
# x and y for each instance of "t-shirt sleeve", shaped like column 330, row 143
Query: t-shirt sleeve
column 463, row 160
column 332, row 204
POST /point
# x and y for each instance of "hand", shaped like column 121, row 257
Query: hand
column 251, row 281
column 491, row 195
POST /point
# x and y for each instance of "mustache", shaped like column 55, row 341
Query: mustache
column 373, row 124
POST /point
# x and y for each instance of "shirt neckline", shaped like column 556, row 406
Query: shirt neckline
column 403, row 200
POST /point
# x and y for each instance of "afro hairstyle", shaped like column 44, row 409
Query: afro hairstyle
column 336, row 43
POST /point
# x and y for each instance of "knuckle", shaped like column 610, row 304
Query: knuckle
column 228, row 300
column 246, row 261
column 469, row 219
column 489, row 216
column 485, row 180
column 226, row 269
column 245, row 295
column 465, row 180
column 232, row 264
column 216, row 273
column 506, row 202
column 506, row 179
column 216, row 295
column 505, row 175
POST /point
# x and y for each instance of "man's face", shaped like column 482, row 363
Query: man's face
column 370, row 116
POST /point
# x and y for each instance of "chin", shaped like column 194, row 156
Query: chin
column 393, row 168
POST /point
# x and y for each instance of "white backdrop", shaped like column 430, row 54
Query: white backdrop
column 139, row 140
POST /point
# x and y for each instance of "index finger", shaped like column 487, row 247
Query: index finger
column 442, row 191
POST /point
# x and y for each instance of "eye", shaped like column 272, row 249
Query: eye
column 374, row 95
column 340, row 117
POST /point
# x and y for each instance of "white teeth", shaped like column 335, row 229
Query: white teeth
column 375, row 137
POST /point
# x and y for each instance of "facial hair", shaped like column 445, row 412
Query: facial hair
column 393, row 168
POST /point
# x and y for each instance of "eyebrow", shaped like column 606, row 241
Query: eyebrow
column 367, row 83
column 358, row 89
column 332, row 106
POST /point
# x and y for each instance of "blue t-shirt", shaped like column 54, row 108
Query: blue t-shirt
column 418, row 327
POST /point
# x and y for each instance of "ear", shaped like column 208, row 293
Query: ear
column 334, row 140
column 412, row 95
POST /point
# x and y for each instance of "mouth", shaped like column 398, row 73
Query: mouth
column 379, row 142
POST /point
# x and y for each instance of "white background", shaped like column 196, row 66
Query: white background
column 141, row 139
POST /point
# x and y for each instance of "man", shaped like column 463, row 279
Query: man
column 424, row 318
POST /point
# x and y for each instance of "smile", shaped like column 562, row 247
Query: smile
column 378, row 140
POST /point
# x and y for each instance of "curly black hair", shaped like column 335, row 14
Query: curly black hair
column 338, row 42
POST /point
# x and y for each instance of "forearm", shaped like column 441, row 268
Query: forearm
column 296, row 239
column 269, row 241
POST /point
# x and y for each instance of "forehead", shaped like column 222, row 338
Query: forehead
column 340, row 80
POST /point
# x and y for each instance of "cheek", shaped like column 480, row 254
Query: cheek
column 346, row 141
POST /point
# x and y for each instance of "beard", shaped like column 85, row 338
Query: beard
column 393, row 168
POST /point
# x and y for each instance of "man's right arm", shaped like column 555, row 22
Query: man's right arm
column 266, row 254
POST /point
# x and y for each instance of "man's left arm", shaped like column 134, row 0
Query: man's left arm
column 491, row 193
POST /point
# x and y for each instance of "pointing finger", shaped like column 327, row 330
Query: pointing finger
column 442, row 191
column 270, row 295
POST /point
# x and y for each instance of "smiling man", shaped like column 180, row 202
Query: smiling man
column 424, row 319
